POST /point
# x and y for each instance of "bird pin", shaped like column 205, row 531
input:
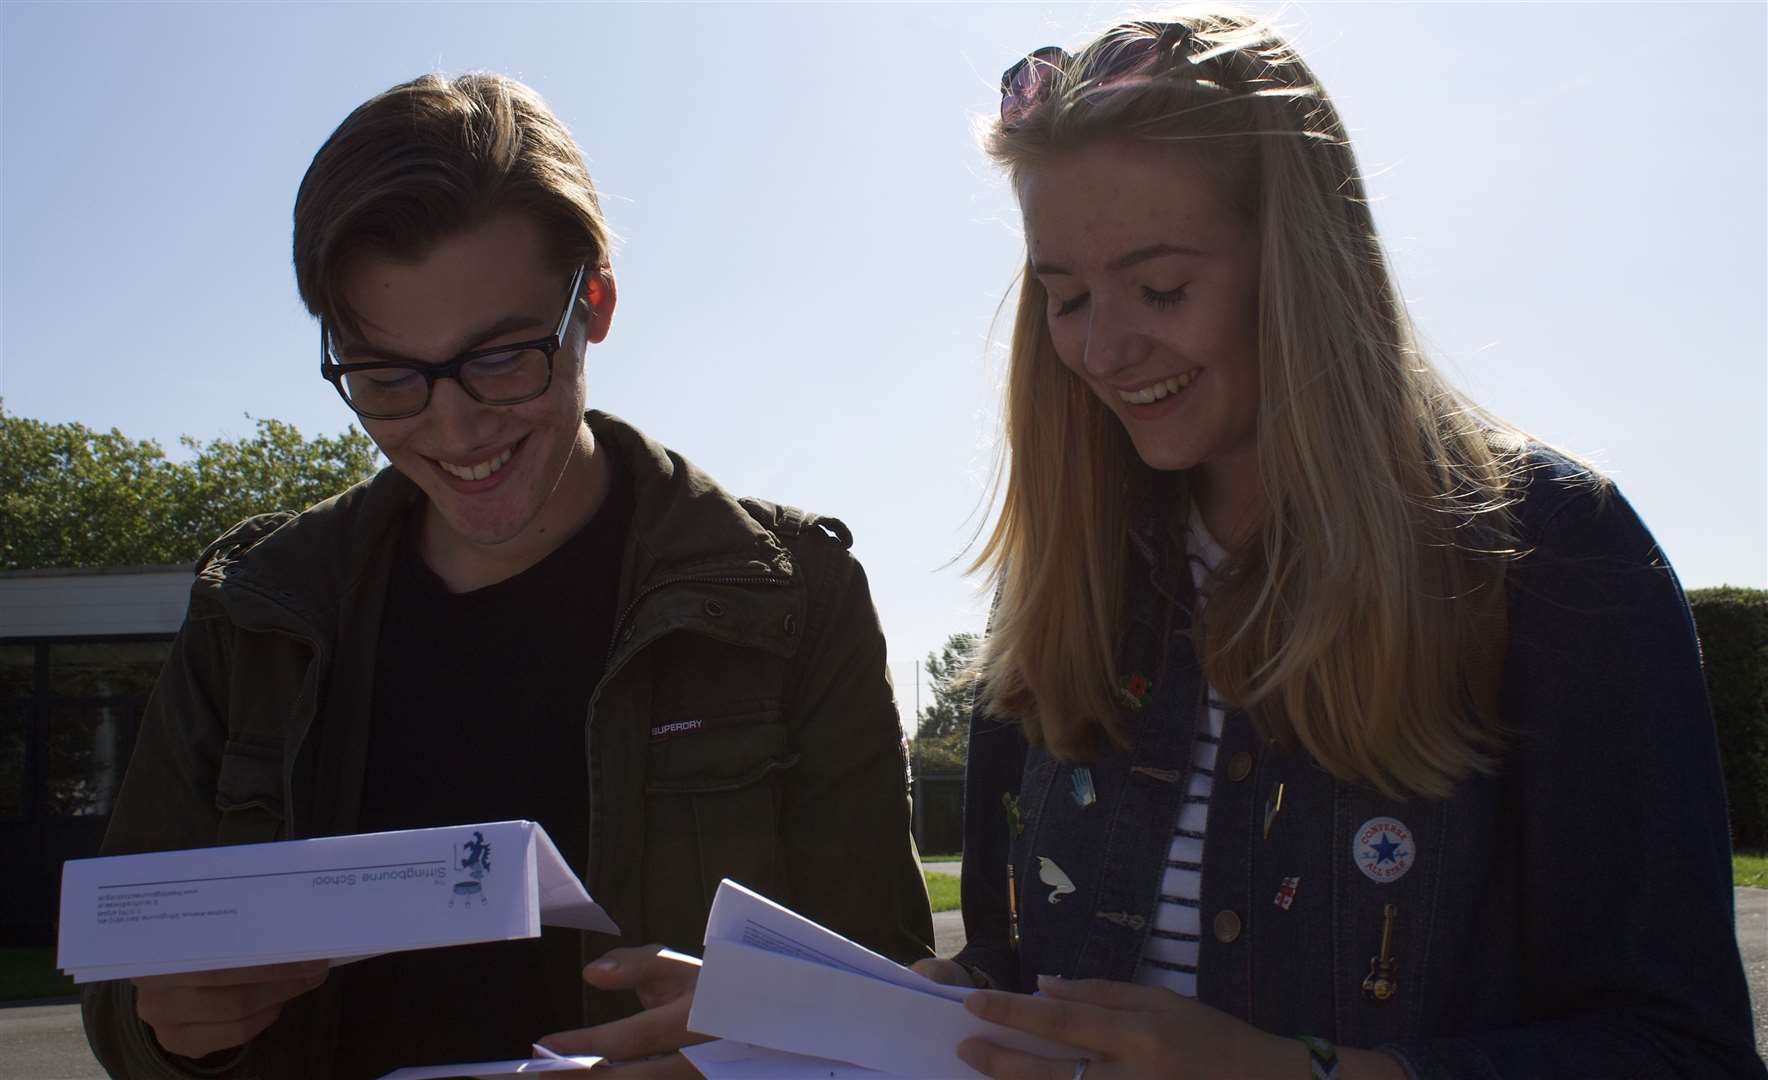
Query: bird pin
column 1051, row 874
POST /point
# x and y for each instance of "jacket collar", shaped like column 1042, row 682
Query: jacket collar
column 297, row 572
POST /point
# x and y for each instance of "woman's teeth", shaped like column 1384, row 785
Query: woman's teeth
column 1149, row 394
column 479, row 471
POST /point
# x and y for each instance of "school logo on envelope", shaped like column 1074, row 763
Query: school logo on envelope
column 475, row 859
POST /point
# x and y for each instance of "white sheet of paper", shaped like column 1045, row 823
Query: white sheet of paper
column 727, row 1059
column 337, row 897
column 488, row 1070
column 774, row 979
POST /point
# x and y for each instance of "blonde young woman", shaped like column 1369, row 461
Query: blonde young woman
column 1326, row 725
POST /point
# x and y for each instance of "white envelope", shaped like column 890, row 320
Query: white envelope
column 774, row 979
column 726, row 1059
column 494, row 1070
column 336, row 898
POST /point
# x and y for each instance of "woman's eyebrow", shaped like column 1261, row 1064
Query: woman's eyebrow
column 1125, row 261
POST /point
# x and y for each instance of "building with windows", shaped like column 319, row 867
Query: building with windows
column 79, row 653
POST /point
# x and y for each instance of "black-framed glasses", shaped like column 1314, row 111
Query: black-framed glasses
column 500, row 375
column 1027, row 84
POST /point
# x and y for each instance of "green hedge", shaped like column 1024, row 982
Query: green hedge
column 1733, row 627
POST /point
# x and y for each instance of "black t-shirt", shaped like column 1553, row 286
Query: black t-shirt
column 481, row 701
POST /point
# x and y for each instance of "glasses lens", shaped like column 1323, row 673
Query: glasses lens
column 385, row 392
column 506, row 378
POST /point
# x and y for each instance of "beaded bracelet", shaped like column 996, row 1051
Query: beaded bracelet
column 1322, row 1057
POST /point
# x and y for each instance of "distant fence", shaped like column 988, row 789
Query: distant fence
column 939, row 813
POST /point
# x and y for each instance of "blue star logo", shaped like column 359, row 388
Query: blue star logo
column 1386, row 850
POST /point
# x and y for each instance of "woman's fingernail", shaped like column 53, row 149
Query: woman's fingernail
column 1044, row 982
column 605, row 964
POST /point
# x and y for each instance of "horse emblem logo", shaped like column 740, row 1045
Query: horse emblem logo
column 475, row 859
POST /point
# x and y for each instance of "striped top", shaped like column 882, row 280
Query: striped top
column 1169, row 958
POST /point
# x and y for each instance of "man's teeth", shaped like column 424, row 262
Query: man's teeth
column 479, row 471
column 1150, row 394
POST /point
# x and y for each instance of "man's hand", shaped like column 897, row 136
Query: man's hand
column 199, row 1012
column 664, row 981
column 943, row 971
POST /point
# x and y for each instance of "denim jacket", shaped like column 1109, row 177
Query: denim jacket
column 1568, row 916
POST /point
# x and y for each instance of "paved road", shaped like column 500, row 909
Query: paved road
column 45, row 1042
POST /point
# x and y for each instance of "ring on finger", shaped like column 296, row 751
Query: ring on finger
column 1080, row 1068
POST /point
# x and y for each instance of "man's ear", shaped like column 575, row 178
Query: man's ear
column 600, row 294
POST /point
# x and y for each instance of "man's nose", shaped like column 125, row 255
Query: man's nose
column 459, row 416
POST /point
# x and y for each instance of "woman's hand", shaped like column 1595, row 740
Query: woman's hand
column 1128, row 1031
column 1141, row 1031
column 664, row 981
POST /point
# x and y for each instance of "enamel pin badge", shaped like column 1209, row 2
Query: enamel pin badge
column 1081, row 779
column 1052, row 875
column 1383, row 849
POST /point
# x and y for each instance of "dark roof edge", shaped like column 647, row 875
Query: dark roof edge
column 92, row 571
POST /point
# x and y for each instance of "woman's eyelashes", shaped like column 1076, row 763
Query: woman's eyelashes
column 1161, row 299
column 1158, row 299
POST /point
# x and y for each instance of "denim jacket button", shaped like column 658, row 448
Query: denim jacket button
column 1240, row 766
column 1227, row 927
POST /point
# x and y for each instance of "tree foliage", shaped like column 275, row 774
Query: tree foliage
column 1733, row 628
column 942, row 727
column 71, row 496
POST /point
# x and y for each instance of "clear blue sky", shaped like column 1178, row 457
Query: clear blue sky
column 814, row 250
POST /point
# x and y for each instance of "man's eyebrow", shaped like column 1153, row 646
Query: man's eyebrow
column 1125, row 261
column 509, row 324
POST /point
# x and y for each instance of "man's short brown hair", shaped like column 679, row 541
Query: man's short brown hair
column 429, row 158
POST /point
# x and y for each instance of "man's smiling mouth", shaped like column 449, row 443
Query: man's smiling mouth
column 479, row 471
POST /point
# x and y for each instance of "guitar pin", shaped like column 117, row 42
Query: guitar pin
column 1381, row 984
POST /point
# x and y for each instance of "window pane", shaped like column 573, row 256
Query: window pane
column 88, row 749
column 106, row 669
column 17, row 664
column 12, row 762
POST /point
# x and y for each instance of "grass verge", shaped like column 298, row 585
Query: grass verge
column 26, row 974
column 942, row 890
column 1750, row 869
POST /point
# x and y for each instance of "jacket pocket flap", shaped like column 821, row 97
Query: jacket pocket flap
column 701, row 785
column 251, row 778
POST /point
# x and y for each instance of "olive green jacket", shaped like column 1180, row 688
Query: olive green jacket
column 744, row 727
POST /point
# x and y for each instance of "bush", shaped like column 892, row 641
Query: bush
column 1733, row 628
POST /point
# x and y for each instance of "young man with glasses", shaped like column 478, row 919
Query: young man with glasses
column 536, row 612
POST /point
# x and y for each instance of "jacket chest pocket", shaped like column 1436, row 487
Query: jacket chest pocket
column 713, row 794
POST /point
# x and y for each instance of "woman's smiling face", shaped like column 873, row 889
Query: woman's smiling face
column 1153, row 283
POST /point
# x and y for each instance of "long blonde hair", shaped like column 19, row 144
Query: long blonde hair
column 1361, row 621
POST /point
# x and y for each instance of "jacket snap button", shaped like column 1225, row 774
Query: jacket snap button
column 1227, row 927
column 791, row 625
column 713, row 608
column 1240, row 766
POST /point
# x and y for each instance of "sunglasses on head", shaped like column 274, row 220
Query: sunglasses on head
column 1027, row 84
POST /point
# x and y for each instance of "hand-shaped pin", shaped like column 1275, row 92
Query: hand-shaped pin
column 1051, row 874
